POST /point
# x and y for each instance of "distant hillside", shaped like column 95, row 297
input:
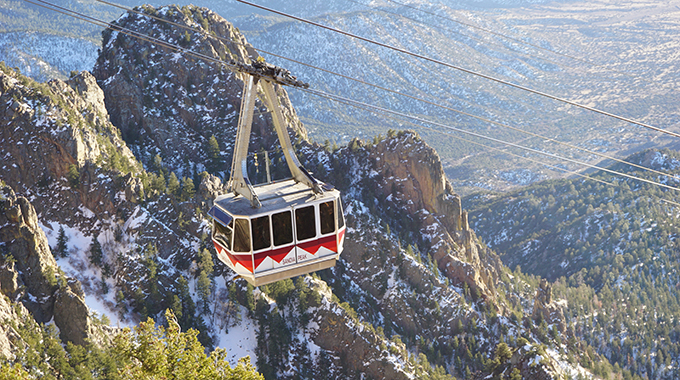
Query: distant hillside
column 631, row 51
column 635, row 84
column 44, row 56
column 617, row 244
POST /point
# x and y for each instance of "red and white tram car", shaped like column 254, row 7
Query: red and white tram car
column 294, row 232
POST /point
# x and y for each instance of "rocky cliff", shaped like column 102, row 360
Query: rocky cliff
column 170, row 102
column 404, row 178
column 29, row 274
column 61, row 142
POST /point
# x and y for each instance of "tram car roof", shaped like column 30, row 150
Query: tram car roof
column 276, row 196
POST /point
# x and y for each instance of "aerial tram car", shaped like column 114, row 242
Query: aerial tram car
column 282, row 229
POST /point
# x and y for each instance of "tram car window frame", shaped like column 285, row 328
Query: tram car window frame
column 327, row 218
column 260, row 228
column 223, row 234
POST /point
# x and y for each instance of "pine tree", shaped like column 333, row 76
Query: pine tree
column 157, row 164
column 173, row 185
column 188, row 189
column 188, row 305
column 73, row 176
column 203, row 285
column 158, row 182
column 214, row 155
column 515, row 374
column 96, row 252
column 156, row 352
column 206, row 263
column 62, row 239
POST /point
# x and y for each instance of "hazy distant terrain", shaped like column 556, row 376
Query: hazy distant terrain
column 615, row 56
column 625, row 64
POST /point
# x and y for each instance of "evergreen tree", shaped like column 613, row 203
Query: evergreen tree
column 157, row 164
column 158, row 182
column 13, row 372
column 214, row 156
column 155, row 352
column 173, row 185
column 73, row 176
column 203, row 285
column 62, row 239
column 96, row 253
column 188, row 189
column 188, row 305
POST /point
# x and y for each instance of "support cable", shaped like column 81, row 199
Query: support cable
column 582, row 60
column 512, row 48
column 547, row 154
column 147, row 38
column 467, row 71
column 500, row 150
column 486, row 120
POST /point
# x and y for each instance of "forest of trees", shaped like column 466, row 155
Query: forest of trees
column 149, row 351
column 612, row 252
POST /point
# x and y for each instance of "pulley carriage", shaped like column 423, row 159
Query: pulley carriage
column 278, row 230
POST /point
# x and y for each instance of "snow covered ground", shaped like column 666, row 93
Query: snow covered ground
column 77, row 265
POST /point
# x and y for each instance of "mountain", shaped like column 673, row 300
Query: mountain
column 29, row 274
column 415, row 293
column 611, row 249
column 616, row 56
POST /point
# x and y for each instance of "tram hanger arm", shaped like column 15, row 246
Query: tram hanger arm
column 299, row 173
column 239, row 182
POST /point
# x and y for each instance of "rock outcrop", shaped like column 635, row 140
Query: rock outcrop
column 174, row 102
column 407, row 179
column 57, row 143
column 547, row 309
column 335, row 331
column 30, row 274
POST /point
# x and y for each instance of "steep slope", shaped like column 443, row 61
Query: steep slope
column 174, row 103
column 30, row 275
column 70, row 161
column 617, row 244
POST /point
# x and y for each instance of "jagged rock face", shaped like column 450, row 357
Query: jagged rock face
column 407, row 180
column 546, row 308
column 25, row 242
column 51, row 128
column 34, row 275
column 336, row 331
column 171, row 102
column 7, row 333
column 71, row 315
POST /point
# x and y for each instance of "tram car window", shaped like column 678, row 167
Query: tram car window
column 327, row 217
column 305, row 223
column 261, row 235
column 282, row 224
column 223, row 234
column 241, row 235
